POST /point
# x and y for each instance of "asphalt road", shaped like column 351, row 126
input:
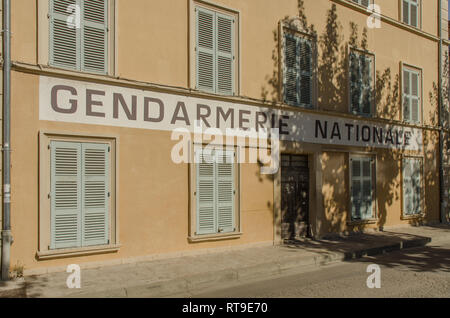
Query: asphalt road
column 419, row 272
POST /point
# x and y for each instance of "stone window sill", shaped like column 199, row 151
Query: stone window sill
column 214, row 237
column 53, row 254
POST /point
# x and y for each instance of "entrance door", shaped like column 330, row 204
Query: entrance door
column 294, row 197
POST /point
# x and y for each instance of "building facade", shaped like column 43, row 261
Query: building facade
column 111, row 102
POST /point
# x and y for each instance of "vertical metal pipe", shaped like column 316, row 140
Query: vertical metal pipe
column 440, row 120
column 6, row 230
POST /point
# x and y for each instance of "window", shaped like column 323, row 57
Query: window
column 361, row 83
column 411, row 96
column 79, row 194
column 215, row 51
column 362, row 194
column 364, row 3
column 298, row 70
column 411, row 12
column 79, row 44
column 215, row 191
column 412, row 186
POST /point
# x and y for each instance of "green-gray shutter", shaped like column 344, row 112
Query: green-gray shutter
column 305, row 53
column 412, row 186
column 355, row 82
column 64, row 40
column 291, row 70
column 94, row 34
column 95, row 189
column 65, row 195
column 411, row 96
column 225, row 191
column 205, row 47
column 224, row 55
column 407, row 188
column 411, row 12
column 361, row 188
column 206, row 193
column 361, row 83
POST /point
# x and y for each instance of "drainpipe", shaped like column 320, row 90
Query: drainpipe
column 440, row 119
column 6, row 230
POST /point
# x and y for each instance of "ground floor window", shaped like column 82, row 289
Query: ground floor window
column 362, row 187
column 215, row 191
column 79, row 194
column 412, row 186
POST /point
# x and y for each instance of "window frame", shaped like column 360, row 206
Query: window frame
column 358, row 2
column 222, row 10
column 193, row 236
column 373, row 161
column 43, row 57
column 419, row 13
column 421, row 198
column 419, row 71
column 372, row 56
column 44, row 249
column 287, row 30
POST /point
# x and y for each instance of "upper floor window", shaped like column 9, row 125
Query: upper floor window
column 79, row 35
column 411, row 12
column 298, row 71
column 411, row 95
column 364, row 3
column 361, row 83
column 215, row 51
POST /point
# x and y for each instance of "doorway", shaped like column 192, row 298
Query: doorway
column 294, row 197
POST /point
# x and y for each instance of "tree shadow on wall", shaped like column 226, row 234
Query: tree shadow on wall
column 333, row 95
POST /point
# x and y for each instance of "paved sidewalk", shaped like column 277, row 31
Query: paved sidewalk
column 170, row 277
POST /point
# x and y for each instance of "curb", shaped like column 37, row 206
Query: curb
column 197, row 282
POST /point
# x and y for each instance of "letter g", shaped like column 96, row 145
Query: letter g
column 54, row 97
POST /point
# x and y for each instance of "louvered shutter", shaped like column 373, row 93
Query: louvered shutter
column 406, row 11
column 365, row 3
column 225, row 44
column 94, row 36
column 205, row 50
column 355, row 83
column 206, row 193
column 367, row 194
column 407, row 188
column 361, row 188
column 225, row 191
column 356, row 188
column 95, row 187
column 366, row 82
column 417, row 185
column 411, row 96
column 65, row 195
column 305, row 53
column 414, row 13
column 64, row 39
column 291, row 70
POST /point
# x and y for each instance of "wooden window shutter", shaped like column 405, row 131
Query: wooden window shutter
column 411, row 96
column 95, row 189
column 65, row 195
column 361, row 188
column 305, row 53
column 366, row 65
column 412, row 187
column 206, row 193
column 224, row 55
column 291, row 70
column 205, row 47
column 64, row 40
column 225, row 191
column 94, row 34
column 414, row 13
column 355, row 82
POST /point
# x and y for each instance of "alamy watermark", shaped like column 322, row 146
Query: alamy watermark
column 260, row 146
